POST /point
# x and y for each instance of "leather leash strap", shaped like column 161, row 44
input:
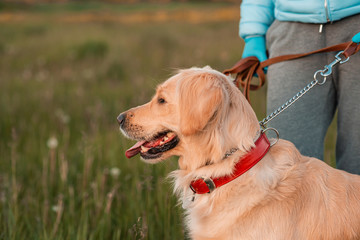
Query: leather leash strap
column 246, row 68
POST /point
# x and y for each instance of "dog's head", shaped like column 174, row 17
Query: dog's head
column 193, row 112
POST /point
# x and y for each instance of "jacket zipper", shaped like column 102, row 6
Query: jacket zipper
column 326, row 14
column 326, row 11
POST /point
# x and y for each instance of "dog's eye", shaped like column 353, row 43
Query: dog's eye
column 161, row 100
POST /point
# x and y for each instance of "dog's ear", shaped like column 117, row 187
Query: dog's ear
column 200, row 97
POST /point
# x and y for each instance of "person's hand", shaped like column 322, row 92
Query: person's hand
column 255, row 46
column 356, row 38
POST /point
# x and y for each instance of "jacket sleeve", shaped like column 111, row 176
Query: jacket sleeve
column 256, row 17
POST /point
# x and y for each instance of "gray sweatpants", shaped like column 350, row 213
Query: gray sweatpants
column 306, row 122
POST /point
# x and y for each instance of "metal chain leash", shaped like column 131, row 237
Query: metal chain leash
column 325, row 72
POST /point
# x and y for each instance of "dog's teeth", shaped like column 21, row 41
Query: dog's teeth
column 170, row 134
column 165, row 138
column 144, row 149
column 161, row 142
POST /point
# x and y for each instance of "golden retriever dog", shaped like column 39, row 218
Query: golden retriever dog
column 201, row 116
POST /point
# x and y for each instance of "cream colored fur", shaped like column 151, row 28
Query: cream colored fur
column 285, row 196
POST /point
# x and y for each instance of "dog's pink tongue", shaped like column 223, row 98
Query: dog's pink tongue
column 134, row 149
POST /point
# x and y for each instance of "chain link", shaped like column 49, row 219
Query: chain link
column 325, row 72
column 288, row 103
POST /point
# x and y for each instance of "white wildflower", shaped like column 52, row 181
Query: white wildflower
column 64, row 118
column 115, row 172
column 52, row 143
column 56, row 208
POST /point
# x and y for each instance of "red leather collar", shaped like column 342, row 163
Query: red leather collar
column 262, row 146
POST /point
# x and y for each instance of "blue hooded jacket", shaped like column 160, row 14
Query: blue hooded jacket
column 257, row 15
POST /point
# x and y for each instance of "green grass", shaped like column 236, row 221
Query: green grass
column 69, row 81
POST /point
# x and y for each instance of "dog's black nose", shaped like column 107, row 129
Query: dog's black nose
column 121, row 119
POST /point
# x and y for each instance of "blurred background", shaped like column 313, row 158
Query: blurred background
column 67, row 69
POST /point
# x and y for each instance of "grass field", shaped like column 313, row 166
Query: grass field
column 63, row 173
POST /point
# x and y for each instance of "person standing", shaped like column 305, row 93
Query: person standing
column 282, row 27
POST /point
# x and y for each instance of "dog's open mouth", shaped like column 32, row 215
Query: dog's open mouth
column 162, row 142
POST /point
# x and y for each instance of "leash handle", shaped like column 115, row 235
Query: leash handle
column 246, row 68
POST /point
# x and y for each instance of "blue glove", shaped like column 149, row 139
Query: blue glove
column 255, row 46
column 356, row 38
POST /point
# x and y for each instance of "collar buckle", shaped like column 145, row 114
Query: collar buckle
column 210, row 184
